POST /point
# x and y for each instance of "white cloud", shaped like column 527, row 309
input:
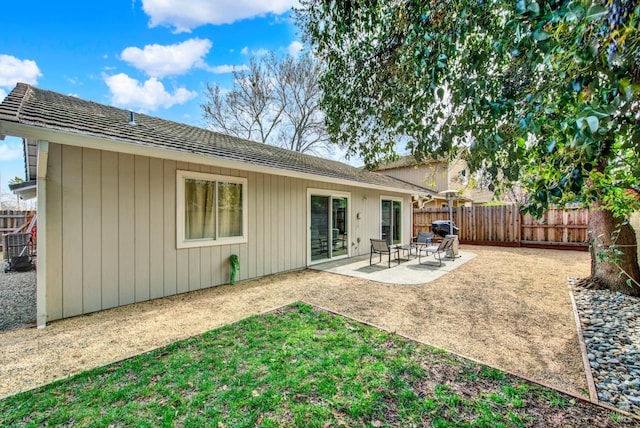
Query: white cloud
column 295, row 48
column 3, row 94
column 14, row 70
column 225, row 68
column 258, row 52
column 10, row 153
column 130, row 93
column 173, row 13
column 160, row 61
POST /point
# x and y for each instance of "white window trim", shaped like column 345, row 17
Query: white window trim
column 181, row 176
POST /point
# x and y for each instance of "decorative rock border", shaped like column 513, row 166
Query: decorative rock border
column 610, row 324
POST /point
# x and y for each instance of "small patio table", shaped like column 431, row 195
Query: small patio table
column 406, row 250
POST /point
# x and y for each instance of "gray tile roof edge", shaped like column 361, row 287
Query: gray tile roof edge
column 54, row 112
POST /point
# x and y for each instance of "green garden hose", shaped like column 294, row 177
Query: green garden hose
column 235, row 267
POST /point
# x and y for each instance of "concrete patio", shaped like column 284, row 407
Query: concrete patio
column 408, row 272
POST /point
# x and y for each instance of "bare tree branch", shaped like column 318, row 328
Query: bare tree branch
column 276, row 101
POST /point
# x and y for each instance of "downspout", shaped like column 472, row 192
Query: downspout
column 41, row 198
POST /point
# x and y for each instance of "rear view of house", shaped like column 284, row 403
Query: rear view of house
column 132, row 207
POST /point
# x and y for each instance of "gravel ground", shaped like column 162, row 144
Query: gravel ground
column 17, row 300
column 611, row 329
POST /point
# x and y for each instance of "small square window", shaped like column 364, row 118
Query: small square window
column 211, row 209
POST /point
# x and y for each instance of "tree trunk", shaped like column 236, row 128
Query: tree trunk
column 610, row 269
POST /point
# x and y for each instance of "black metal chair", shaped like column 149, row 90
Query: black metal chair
column 380, row 247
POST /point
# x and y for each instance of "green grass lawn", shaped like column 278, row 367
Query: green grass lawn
column 297, row 366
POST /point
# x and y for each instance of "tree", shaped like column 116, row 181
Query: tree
column 276, row 101
column 13, row 181
column 542, row 93
column 16, row 180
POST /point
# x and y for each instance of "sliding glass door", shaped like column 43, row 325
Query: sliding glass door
column 391, row 220
column 328, row 226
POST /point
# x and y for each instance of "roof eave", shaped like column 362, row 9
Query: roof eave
column 93, row 142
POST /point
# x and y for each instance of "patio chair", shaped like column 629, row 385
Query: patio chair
column 437, row 250
column 380, row 247
column 424, row 239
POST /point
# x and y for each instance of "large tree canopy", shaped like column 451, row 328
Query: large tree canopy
column 543, row 93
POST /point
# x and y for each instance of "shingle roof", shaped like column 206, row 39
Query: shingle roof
column 34, row 107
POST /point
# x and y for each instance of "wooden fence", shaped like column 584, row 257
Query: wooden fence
column 505, row 226
column 14, row 221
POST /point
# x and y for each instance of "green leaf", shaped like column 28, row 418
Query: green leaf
column 440, row 93
column 540, row 35
column 596, row 12
column 551, row 146
column 534, row 8
column 594, row 124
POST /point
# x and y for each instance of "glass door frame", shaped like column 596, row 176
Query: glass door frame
column 331, row 194
column 393, row 199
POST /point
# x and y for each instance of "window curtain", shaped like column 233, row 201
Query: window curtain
column 229, row 209
column 200, row 209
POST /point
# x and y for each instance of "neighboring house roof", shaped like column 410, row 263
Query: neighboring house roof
column 404, row 162
column 34, row 113
column 26, row 190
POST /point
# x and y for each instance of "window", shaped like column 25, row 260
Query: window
column 211, row 209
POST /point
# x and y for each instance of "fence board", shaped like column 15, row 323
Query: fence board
column 505, row 225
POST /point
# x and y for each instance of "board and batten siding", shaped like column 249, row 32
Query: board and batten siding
column 111, row 232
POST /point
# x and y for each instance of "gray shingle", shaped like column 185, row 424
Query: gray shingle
column 28, row 105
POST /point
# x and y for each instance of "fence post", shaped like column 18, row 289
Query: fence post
column 518, row 227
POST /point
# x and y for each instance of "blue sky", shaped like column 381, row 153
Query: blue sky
column 151, row 56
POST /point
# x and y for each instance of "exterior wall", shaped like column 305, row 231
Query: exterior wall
column 432, row 176
column 111, row 230
column 437, row 177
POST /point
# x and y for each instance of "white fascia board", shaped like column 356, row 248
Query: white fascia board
column 98, row 143
column 43, row 155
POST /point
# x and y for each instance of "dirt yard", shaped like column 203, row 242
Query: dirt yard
column 509, row 308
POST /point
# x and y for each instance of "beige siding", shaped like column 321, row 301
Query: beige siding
column 126, row 230
column 71, row 231
column 141, row 228
column 109, row 229
column 183, row 253
column 54, row 232
column 91, row 231
column 111, row 232
column 156, row 224
column 169, row 228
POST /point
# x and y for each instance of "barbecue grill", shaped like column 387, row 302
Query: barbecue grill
column 443, row 228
